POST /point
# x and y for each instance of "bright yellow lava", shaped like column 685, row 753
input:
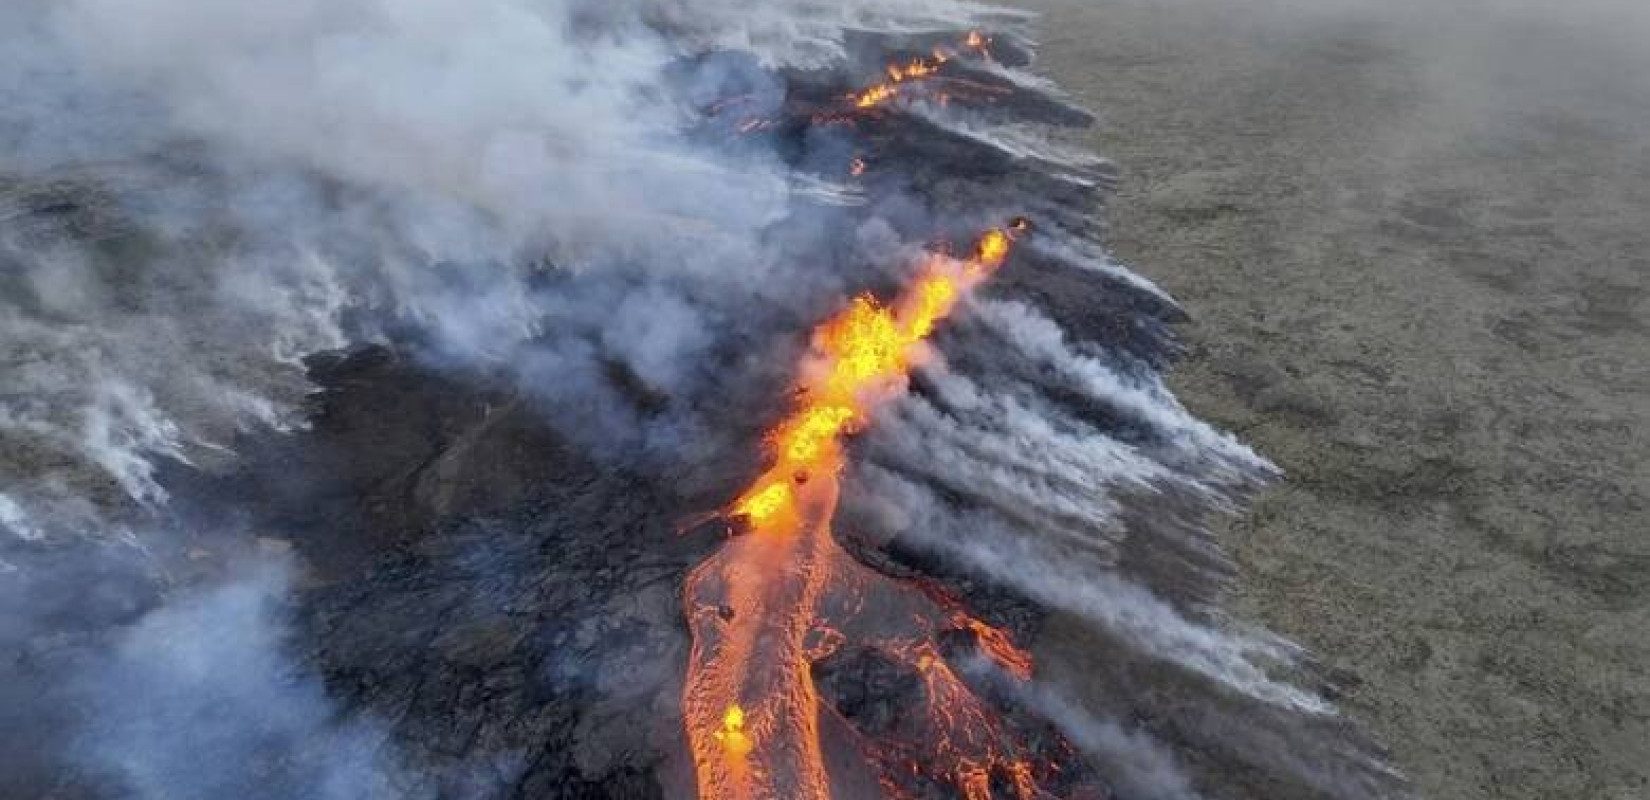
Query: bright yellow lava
column 755, row 602
column 732, row 735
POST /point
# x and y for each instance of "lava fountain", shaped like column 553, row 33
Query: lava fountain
column 771, row 603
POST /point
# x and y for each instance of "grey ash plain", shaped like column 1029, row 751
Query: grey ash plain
column 1414, row 244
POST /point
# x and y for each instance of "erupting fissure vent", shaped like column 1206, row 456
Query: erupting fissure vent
column 913, row 78
column 769, row 605
column 904, row 72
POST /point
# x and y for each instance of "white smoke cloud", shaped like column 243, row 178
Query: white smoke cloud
column 1061, row 577
column 1140, row 766
column 274, row 182
column 1143, row 398
column 1010, row 449
column 205, row 682
column 410, row 160
column 16, row 521
column 499, row 110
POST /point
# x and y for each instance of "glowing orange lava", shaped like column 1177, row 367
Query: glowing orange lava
column 914, row 69
column 757, row 607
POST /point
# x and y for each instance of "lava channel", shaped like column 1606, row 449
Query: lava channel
column 770, row 604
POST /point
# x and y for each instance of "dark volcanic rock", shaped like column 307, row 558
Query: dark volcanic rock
column 507, row 606
column 869, row 689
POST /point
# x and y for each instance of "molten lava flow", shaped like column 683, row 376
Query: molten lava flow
column 997, row 646
column 757, row 607
column 914, row 69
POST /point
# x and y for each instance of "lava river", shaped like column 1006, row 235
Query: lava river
column 770, row 604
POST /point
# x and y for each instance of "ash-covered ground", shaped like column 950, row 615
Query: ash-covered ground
column 375, row 375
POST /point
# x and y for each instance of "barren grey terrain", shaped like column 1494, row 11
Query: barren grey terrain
column 1412, row 242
